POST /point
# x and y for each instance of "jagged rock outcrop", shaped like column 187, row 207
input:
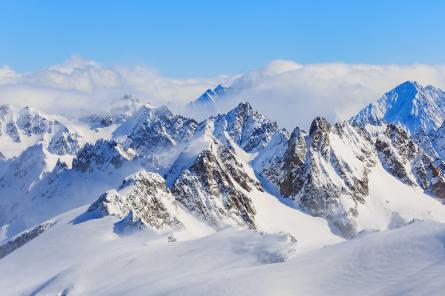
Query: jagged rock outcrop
column 118, row 113
column 216, row 188
column 327, row 170
column 327, row 178
column 64, row 142
column 32, row 123
column 151, row 130
column 246, row 127
column 404, row 159
column 315, row 173
column 142, row 199
column 419, row 110
column 293, row 164
column 28, row 125
column 209, row 100
column 24, row 238
column 102, row 153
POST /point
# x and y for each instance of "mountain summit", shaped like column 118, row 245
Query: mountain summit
column 411, row 105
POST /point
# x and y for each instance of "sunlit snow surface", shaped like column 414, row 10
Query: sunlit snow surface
column 93, row 260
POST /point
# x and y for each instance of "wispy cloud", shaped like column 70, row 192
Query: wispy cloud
column 289, row 92
column 83, row 85
column 294, row 94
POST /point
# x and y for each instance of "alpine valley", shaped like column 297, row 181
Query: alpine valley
column 141, row 201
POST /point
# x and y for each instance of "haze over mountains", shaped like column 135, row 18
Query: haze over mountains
column 142, row 200
column 336, row 91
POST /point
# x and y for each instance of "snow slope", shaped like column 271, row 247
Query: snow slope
column 93, row 260
column 405, row 261
column 411, row 105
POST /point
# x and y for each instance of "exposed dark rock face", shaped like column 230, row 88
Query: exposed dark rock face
column 23, row 238
column 319, row 135
column 21, row 124
column 248, row 128
column 294, row 164
column 215, row 187
column 392, row 163
column 153, row 130
column 64, row 142
column 404, row 159
column 141, row 199
column 31, row 123
column 316, row 175
column 304, row 172
column 12, row 131
column 102, row 153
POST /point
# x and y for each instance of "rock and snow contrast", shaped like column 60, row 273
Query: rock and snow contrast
column 140, row 201
column 21, row 128
column 208, row 101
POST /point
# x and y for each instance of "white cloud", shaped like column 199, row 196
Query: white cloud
column 291, row 93
column 80, row 84
column 294, row 94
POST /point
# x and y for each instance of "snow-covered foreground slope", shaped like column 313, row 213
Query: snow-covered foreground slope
column 405, row 261
column 92, row 245
column 91, row 259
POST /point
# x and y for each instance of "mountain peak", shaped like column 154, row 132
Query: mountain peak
column 210, row 97
column 244, row 105
column 407, row 90
column 152, row 128
column 409, row 84
column 219, row 87
column 319, row 123
column 206, row 97
column 410, row 105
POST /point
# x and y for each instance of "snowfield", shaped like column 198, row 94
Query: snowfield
column 93, row 260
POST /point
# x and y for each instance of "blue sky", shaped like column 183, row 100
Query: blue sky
column 199, row 38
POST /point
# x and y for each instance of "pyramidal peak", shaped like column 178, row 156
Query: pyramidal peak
column 210, row 97
column 410, row 105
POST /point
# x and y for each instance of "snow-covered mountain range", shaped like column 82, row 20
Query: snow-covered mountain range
column 236, row 188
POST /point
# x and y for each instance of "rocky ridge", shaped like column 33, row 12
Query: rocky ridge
column 219, row 166
column 26, row 125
